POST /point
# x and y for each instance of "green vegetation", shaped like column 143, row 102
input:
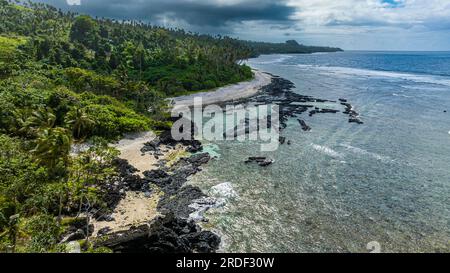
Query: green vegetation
column 67, row 78
column 289, row 47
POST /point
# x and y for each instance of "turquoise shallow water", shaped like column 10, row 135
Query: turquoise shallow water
column 341, row 186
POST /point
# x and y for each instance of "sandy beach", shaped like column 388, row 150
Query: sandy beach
column 137, row 208
column 227, row 93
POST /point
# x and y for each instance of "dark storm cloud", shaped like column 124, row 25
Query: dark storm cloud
column 194, row 12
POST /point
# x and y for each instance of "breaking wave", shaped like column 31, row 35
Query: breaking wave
column 360, row 151
column 347, row 71
column 327, row 150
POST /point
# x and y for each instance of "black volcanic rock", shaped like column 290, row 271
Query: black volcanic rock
column 305, row 127
column 168, row 234
column 260, row 160
column 178, row 204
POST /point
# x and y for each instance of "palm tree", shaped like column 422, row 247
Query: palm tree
column 80, row 122
column 42, row 118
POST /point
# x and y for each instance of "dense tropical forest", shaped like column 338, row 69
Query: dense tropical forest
column 67, row 78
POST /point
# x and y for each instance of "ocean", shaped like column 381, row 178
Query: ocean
column 345, row 187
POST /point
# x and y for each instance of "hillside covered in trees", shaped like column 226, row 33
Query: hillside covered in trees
column 67, row 78
column 289, row 47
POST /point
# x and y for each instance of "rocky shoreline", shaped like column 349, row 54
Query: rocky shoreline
column 173, row 231
column 293, row 105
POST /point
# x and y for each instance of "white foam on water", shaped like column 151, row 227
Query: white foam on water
column 219, row 197
column 402, row 95
column 327, row 150
column 360, row 151
column 202, row 205
column 275, row 61
column 348, row 71
column 224, row 190
column 423, row 87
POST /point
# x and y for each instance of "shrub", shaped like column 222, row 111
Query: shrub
column 43, row 232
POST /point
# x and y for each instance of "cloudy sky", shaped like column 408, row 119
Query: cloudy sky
column 349, row 24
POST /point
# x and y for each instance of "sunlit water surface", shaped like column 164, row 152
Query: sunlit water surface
column 341, row 186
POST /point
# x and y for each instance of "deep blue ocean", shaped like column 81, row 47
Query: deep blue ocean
column 343, row 186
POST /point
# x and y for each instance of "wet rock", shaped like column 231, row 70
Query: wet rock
column 353, row 115
column 322, row 111
column 202, row 205
column 265, row 163
column 355, row 120
column 332, row 111
column 261, row 161
column 257, row 158
column 305, row 127
column 313, row 112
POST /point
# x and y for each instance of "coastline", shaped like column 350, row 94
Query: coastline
column 154, row 193
column 227, row 93
column 152, row 213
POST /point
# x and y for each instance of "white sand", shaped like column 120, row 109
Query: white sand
column 227, row 93
column 134, row 210
column 130, row 149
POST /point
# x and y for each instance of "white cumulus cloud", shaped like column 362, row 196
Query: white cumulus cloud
column 73, row 2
